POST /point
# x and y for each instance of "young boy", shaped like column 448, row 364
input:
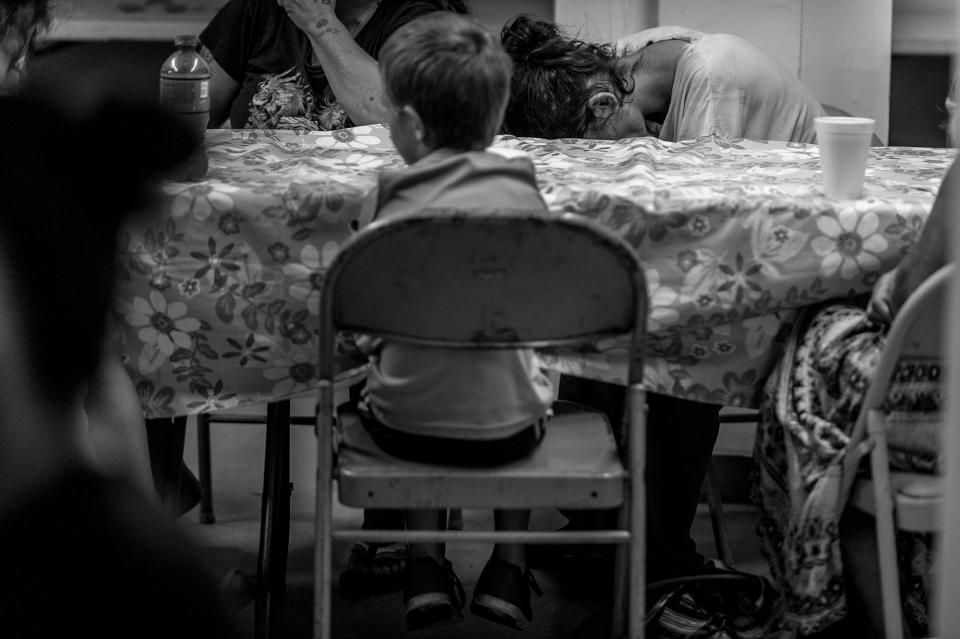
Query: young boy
column 446, row 84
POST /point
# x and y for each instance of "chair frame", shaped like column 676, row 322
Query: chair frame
column 918, row 331
column 512, row 230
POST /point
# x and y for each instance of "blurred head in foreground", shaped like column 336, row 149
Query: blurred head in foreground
column 66, row 185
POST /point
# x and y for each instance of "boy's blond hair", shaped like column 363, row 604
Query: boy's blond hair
column 454, row 73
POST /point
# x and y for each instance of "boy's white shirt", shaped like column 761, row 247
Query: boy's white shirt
column 368, row 206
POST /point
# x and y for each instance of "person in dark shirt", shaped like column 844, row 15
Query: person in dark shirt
column 302, row 63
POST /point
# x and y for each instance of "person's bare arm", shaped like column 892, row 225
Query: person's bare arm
column 353, row 75
column 931, row 250
column 223, row 91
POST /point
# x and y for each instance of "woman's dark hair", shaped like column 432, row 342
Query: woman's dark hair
column 552, row 79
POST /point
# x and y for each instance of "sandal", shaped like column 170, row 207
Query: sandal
column 502, row 594
column 432, row 595
column 373, row 569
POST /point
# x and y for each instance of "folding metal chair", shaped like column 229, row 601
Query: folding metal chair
column 496, row 280
column 908, row 501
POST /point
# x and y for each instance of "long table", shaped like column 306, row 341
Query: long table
column 217, row 300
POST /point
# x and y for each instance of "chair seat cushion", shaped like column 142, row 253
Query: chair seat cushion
column 917, row 498
column 575, row 466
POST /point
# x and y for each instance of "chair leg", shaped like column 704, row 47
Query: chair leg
column 721, row 537
column 621, row 594
column 322, row 578
column 165, row 437
column 885, row 528
column 204, row 469
column 274, row 523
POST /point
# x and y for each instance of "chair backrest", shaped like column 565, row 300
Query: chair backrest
column 917, row 333
column 496, row 279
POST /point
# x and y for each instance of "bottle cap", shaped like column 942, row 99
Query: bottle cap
column 186, row 40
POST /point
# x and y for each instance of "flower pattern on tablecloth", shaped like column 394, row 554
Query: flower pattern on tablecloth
column 217, row 295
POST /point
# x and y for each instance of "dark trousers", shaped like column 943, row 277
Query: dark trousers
column 680, row 438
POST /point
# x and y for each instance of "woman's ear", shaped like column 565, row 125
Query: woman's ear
column 603, row 105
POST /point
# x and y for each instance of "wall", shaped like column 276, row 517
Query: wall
column 925, row 27
column 495, row 13
column 606, row 20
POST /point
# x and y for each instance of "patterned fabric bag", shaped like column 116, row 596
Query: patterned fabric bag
column 722, row 605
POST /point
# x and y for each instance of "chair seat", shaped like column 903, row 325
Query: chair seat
column 575, row 466
column 916, row 496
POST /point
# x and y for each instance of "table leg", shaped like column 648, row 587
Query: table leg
column 274, row 523
column 165, row 437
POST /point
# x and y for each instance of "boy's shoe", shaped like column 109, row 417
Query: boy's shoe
column 502, row 594
column 432, row 595
column 373, row 569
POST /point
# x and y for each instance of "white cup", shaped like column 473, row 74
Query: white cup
column 843, row 142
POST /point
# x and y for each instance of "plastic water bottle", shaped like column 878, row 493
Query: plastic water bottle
column 185, row 91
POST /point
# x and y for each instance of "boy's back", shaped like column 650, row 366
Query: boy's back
column 446, row 85
column 475, row 394
column 480, row 181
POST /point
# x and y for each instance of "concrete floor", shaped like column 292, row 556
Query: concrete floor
column 570, row 597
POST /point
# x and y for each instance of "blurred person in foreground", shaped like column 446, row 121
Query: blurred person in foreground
column 88, row 552
column 110, row 415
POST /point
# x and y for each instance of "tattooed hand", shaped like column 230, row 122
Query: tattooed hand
column 314, row 17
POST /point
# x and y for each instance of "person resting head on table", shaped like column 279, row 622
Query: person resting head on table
column 674, row 83
column 670, row 82
column 304, row 64
column 822, row 556
column 88, row 553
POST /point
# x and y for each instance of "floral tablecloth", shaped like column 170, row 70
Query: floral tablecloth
column 217, row 299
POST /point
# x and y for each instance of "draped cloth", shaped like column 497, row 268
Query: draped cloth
column 809, row 407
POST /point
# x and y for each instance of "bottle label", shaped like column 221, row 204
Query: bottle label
column 185, row 95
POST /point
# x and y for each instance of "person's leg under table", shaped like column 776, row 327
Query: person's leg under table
column 680, row 438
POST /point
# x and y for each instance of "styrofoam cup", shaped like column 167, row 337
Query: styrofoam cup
column 843, row 142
